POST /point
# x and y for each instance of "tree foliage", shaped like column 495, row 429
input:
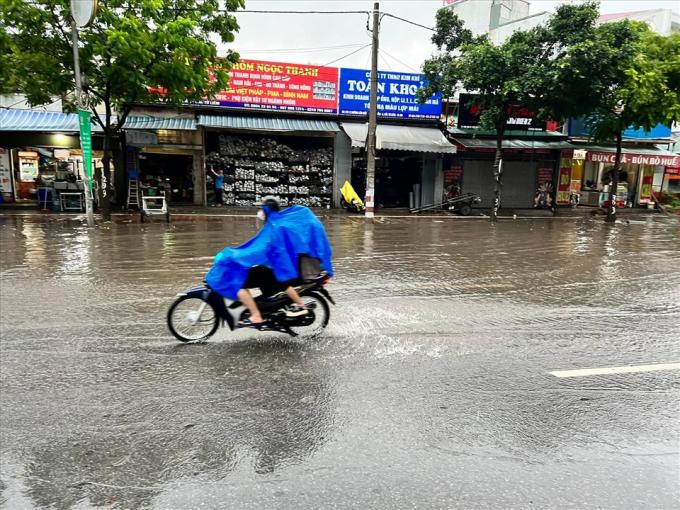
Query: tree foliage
column 136, row 51
column 644, row 87
column 525, row 69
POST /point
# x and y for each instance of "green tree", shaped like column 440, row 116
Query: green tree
column 136, row 51
column 638, row 73
column 524, row 70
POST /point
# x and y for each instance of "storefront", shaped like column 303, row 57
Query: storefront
column 165, row 154
column 41, row 160
column 409, row 163
column 590, row 168
column 531, row 153
column 529, row 170
column 290, row 158
column 281, row 134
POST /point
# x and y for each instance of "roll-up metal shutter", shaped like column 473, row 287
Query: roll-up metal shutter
column 519, row 184
column 478, row 179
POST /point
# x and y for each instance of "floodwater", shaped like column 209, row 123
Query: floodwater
column 430, row 388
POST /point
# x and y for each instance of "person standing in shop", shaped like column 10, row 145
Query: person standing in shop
column 218, row 180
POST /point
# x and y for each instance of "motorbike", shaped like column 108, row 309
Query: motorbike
column 350, row 200
column 543, row 196
column 197, row 313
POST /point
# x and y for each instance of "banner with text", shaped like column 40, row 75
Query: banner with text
column 635, row 159
column 520, row 118
column 396, row 95
column 280, row 86
column 5, row 172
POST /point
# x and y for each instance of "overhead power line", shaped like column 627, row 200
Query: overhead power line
column 345, row 56
column 334, row 12
column 383, row 14
column 303, row 50
column 408, row 21
column 296, row 12
column 382, row 50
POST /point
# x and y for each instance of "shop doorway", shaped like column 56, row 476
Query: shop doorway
column 395, row 177
column 394, row 180
column 173, row 171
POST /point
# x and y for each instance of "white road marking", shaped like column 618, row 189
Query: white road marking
column 615, row 370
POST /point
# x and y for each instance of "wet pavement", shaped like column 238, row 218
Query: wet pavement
column 430, row 389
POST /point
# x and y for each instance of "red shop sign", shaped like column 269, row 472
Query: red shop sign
column 280, row 86
column 635, row 159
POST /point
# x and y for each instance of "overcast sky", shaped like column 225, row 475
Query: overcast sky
column 321, row 39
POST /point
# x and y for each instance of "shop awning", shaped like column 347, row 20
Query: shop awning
column 153, row 122
column 510, row 134
column 488, row 143
column 29, row 120
column 400, row 138
column 633, row 155
column 242, row 123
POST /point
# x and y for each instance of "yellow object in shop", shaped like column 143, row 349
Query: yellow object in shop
column 577, row 166
column 351, row 198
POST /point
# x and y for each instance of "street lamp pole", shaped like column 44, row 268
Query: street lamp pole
column 83, row 12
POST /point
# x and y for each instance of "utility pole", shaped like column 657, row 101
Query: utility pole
column 372, row 116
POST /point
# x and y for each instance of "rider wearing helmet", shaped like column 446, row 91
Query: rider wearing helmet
column 263, row 278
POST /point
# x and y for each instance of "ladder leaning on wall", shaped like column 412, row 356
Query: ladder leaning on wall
column 133, row 192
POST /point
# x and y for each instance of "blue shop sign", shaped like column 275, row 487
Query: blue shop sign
column 659, row 131
column 581, row 127
column 396, row 95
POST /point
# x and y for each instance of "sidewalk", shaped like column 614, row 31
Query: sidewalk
column 190, row 212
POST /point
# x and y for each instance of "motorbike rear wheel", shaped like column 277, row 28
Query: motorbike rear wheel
column 190, row 319
column 322, row 314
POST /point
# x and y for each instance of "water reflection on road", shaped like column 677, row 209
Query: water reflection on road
column 432, row 376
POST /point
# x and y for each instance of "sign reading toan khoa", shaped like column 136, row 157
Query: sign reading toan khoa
column 396, row 95
column 520, row 118
column 280, row 86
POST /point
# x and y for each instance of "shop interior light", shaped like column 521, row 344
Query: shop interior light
column 61, row 140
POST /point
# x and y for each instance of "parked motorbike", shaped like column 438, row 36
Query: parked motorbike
column 350, row 200
column 197, row 313
column 543, row 196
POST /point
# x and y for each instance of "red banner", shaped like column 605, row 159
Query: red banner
column 452, row 175
column 280, row 86
column 564, row 182
column 646, row 185
column 545, row 177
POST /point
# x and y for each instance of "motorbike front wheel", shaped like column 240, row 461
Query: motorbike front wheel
column 191, row 318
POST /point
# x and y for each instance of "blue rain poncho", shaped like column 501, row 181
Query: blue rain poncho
column 285, row 236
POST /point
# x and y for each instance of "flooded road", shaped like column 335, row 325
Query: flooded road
column 431, row 387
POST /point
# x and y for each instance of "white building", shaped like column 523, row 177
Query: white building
column 500, row 18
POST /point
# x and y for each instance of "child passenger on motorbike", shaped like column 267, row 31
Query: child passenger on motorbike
column 263, row 278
